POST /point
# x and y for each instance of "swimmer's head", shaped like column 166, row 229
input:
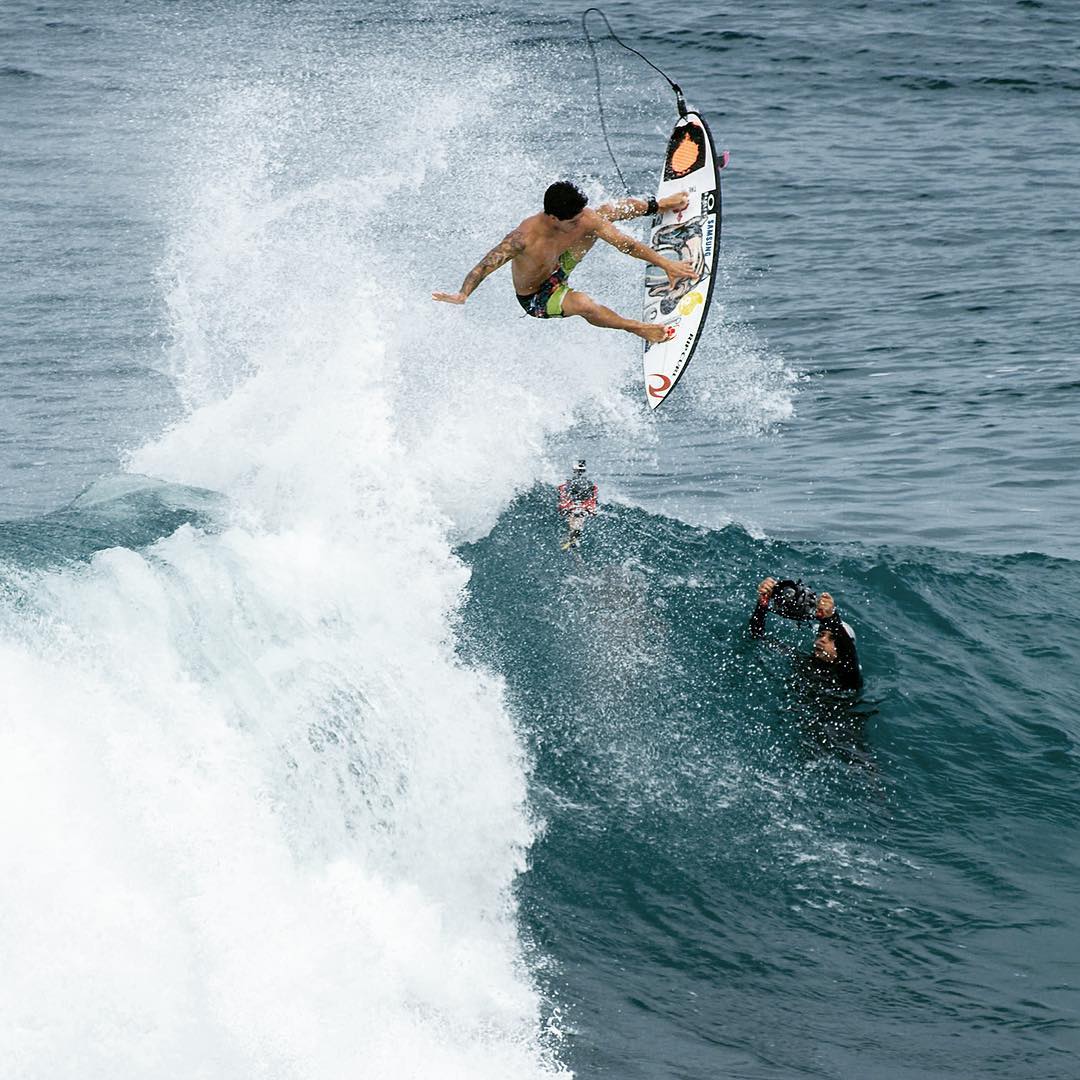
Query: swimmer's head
column 825, row 647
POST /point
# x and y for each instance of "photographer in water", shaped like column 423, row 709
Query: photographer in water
column 834, row 652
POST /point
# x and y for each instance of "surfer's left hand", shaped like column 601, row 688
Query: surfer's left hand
column 679, row 271
column 450, row 298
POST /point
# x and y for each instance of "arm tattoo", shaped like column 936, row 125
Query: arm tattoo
column 511, row 245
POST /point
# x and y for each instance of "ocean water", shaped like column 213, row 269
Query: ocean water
column 320, row 759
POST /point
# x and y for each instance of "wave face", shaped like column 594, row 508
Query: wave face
column 743, row 874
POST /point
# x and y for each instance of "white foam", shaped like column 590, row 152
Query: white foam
column 268, row 824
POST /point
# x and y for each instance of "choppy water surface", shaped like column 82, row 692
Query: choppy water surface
column 319, row 756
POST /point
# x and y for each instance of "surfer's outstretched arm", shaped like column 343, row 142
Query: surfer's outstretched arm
column 629, row 207
column 629, row 246
column 512, row 244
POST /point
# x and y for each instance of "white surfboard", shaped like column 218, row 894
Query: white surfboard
column 693, row 235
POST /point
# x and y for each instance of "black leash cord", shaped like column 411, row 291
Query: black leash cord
column 596, row 67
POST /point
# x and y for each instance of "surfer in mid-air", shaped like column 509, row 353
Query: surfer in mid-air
column 546, row 247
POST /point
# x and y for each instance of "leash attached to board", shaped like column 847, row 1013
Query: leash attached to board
column 691, row 166
column 680, row 101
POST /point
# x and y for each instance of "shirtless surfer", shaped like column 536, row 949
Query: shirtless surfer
column 546, row 247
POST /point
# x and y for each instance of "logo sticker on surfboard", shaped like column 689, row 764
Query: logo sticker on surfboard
column 660, row 386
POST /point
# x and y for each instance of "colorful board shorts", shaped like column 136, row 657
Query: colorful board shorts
column 547, row 301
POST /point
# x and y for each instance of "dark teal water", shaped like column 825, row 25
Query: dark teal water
column 320, row 757
column 744, row 874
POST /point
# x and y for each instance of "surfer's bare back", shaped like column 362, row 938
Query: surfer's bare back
column 544, row 248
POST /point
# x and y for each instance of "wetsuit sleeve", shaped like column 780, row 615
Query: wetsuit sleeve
column 757, row 621
column 847, row 658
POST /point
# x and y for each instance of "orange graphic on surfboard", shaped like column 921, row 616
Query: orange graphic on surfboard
column 685, row 156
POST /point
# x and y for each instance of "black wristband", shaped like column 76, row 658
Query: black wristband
column 652, row 205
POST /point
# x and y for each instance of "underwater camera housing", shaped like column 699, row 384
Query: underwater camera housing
column 793, row 600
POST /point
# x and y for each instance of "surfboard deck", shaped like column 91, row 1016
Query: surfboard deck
column 692, row 235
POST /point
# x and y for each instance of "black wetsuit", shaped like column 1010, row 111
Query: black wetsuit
column 844, row 670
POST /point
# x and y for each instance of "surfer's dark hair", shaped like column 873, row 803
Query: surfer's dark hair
column 564, row 200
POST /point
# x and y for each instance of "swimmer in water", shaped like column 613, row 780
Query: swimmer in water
column 834, row 654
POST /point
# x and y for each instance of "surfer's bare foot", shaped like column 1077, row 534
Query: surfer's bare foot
column 679, row 201
column 654, row 332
